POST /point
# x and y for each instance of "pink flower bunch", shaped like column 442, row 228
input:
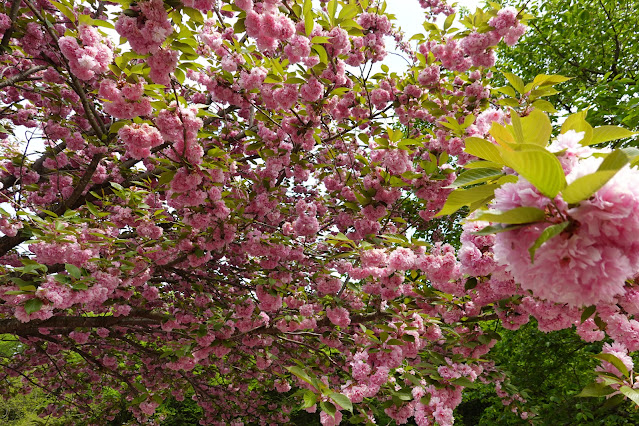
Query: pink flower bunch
column 127, row 102
column 306, row 223
column 139, row 139
column 507, row 26
column 5, row 23
column 252, row 79
column 476, row 48
column 298, row 48
column 147, row 31
column 591, row 262
column 268, row 27
column 181, row 127
column 93, row 57
column 338, row 316
column 436, row 7
column 67, row 252
column 162, row 64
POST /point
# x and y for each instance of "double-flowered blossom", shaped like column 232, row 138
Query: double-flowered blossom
column 89, row 59
column 589, row 262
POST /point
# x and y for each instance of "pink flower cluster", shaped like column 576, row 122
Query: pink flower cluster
column 93, row 57
column 147, row 31
column 476, row 48
column 590, row 262
column 162, row 63
column 126, row 102
column 270, row 27
column 139, row 139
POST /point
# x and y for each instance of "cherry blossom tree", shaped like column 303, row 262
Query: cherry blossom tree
column 209, row 198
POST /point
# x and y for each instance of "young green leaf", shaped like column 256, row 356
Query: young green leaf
column 619, row 365
column 536, row 128
column 546, row 234
column 609, row 133
column 464, row 197
column 515, row 216
column 540, row 168
column 483, row 149
column 583, row 187
column 342, row 401
column 475, row 176
column 595, row 389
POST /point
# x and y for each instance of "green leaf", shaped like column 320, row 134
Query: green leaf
column 614, row 361
column 73, row 270
column 464, row 197
column 342, row 401
column 595, row 389
column 609, row 133
column 536, row 128
column 587, row 313
column 515, row 216
column 32, row 305
column 449, row 21
column 516, row 128
column 577, row 122
column 297, row 371
column 309, row 399
column 501, row 134
column 474, row 176
column 630, row 393
column 583, row 187
column 540, row 168
column 328, row 408
column 544, row 105
column 309, row 22
column 546, row 234
column 483, row 149
column 515, row 81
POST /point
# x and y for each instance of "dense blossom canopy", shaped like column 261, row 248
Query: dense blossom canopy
column 232, row 201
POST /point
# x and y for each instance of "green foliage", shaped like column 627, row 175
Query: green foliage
column 550, row 369
column 592, row 41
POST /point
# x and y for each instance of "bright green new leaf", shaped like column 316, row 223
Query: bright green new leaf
column 578, row 123
column 536, row 128
column 496, row 229
column 464, row 197
column 297, row 371
column 540, row 168
column 545, row 235
column 475, row 176
column 609, row 133
column 515, row 81
column 614, row 361
column 583, row 187
column 515, row 128
column 342, row 401
column 630, row 393
column 596, row 389
column 501, row 134
column 309, row 399
column 544, row 105
column 515, row 216
column 483, row 165
column 483, row 149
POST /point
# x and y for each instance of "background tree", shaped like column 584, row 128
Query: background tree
column 593, row 41
column 217, row 211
